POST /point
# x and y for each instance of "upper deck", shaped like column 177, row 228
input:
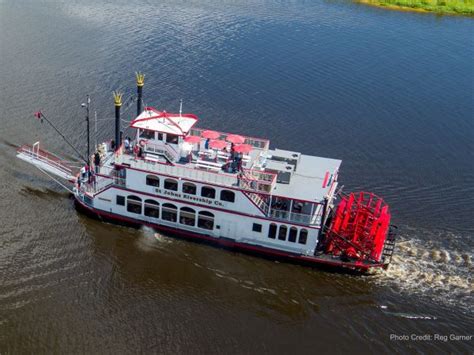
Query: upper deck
column 170, row 144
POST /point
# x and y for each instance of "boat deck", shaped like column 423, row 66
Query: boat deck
column 310, row 180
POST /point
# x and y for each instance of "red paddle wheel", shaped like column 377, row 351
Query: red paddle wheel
column 359, row 228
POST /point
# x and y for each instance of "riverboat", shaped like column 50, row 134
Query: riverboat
column 225, row 189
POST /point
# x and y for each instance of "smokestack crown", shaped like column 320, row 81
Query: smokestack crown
column 117, row 98
column 140, row 79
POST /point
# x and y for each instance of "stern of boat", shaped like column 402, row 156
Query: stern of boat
column 359, row 232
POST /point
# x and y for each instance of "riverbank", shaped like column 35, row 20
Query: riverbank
column 448, row 7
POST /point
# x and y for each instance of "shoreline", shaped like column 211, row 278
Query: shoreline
column 396, row 7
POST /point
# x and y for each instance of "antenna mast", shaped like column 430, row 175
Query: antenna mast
column 95, row 129
column 87, row 105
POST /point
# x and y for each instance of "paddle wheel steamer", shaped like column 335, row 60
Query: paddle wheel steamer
column 225, row 189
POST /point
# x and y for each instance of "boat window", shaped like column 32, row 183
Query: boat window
column 134, row 204
column 189, row 188
column 292, row 235
column 169, row 212
column 282, row 232
column 207, row 191
column 227, row 195
column 171, row 184
column 187, row 216
column 152, row 209
column 146, row 134
column 206, row 220
column 160, row 136
column 257, row 228
column 171, row 138
column 152, row 180
column 120, row 200
column 303, row 236
column 272, row 231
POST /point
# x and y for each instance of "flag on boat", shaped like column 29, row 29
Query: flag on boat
column 39, row 116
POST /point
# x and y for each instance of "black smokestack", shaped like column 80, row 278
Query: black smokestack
column 118, row 104
column 140, row 82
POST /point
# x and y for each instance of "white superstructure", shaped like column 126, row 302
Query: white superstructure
column 275, row 198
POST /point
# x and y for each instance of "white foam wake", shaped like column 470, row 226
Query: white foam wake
column 151, row 240
column 442, row 273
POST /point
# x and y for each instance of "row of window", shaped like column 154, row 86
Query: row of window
column 170, row 138
column 169, row 212
column 291, row 235
column 205, row 220
column 190, row 188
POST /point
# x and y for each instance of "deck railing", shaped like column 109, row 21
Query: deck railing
column 220, row 178
column 35, row 153
column 313, row 218
column 169, row 152
column 259, row 180
column 291, row 216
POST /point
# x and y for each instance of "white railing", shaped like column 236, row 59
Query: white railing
column 318, row 215
column 219, row 178
column 258, row 180
column 100, row 183
column 291, row 216
column 259, row 202
column 169, row 152
column 45, row 160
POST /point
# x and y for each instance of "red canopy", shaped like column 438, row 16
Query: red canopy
column 210, row 134
column 217, row 144
column 235, row 138
column 192, row 139
column 243, row 148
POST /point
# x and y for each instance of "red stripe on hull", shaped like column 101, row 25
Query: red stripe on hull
column 228, row 243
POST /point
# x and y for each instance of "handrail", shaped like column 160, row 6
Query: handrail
column 260, row 176
column 165, row 149
column 291, row 216
column 168, row 146
column 45, row 157
column 101, row 183
column 220, row 178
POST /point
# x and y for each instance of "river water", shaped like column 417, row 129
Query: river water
column 389, row 93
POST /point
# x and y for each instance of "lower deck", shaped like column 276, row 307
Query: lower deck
column 210, row 220
column 176, row 230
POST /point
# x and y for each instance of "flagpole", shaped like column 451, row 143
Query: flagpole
column 95, row 130
column 88, row 131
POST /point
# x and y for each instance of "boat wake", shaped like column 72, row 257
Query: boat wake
column 438, row 269
column 151, row 240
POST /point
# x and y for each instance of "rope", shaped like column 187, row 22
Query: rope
column 59, row 183
column 42, row 116
column 128, row 105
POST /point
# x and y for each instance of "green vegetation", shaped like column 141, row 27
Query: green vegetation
column 461, row 7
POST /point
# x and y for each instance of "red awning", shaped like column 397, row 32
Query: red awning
column 217, row 144
column 243, row 148
column 210, row 134
column 235, row 138
column 192, row 139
